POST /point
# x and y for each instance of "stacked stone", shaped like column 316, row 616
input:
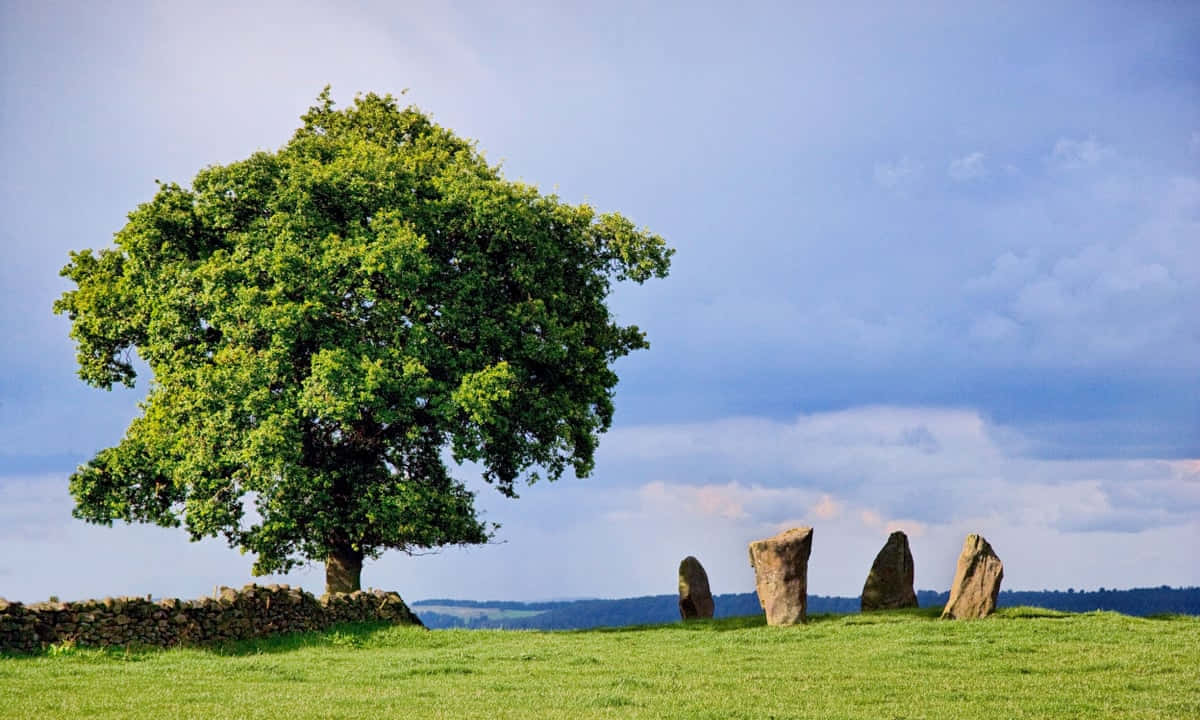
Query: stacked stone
column 254, row 611
column 362, row 606
column 18, row 627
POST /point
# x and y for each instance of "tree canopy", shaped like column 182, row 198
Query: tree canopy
column 326, row 323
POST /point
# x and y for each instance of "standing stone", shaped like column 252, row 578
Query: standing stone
column 976, row 581
column 781, row 575
column 889, row 585
column 695, row 598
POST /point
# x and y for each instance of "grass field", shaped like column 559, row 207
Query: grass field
column 1020, row 663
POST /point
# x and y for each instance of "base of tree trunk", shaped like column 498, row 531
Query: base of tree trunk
column 343, row 571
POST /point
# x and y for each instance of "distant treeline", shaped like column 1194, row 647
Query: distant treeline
column 578, row 614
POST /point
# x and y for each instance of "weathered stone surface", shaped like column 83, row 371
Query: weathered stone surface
column 781, row 575
column 976, row 581
column 695, row 597
column 889, row 584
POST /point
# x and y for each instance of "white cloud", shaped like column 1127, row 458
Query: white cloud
column 833, row 449
column 851, row 475
column 1107, row 303
column 1009, row 270
column 45, row 551
column 1051, row 532
column 897, row 175
column 826, row 508
column 967, row 167
column 1112, row 300
column 912, row 528
column 715, row 523
column 707, row 489
column 870, row 518
column 927, row 465
column 1072, row 154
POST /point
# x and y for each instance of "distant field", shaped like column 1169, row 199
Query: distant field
column 649, row 609
column 1020, row 663
column 479, row 612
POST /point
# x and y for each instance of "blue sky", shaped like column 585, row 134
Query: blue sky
column 937, row 270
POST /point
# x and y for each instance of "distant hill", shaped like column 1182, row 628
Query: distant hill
column 579, row 614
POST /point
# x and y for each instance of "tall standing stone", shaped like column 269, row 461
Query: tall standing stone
column 695, row 597
column 781, row 575
column 976, row 581
column 889, row 585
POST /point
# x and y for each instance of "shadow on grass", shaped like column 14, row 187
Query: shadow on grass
column 1170, row 616
column 119, row 653
column 1023, row 612
column 348, row 635
column 744, row 622
column 880, row 617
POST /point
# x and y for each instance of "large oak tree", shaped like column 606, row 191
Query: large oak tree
column 326, row 323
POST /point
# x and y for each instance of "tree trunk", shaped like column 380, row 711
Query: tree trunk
column 343, row 570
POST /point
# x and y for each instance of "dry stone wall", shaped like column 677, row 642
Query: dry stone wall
column 253, row 611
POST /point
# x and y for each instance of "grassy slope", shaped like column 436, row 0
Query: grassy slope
column 1019, row 663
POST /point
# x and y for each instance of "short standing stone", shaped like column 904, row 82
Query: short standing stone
column 976, row 581
column 889, row 585
column 695, row 597
column 781, row 575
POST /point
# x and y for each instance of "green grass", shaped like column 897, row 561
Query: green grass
column 1020, row 663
